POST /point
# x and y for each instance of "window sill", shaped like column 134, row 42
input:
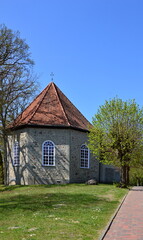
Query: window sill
column 48, row 165
column 84, row 167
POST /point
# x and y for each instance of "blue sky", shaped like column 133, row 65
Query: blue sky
column 94, row 47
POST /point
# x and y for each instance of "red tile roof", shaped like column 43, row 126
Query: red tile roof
column 52, row 108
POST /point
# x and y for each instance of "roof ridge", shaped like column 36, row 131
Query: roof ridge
column 20, row 115
column 40, row 101
column 72, row 105
column 56, row 88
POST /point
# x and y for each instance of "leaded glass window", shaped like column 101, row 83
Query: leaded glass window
column 16, row 153
column 84, row 156
column 48, row 153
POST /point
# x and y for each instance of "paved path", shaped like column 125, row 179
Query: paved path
column 128, row 223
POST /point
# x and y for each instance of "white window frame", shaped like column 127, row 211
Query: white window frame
column 83, row 159
column 16, row 154
column 47, row 154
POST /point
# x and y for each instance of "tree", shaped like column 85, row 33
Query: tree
column 17, row 82
column 116, row 137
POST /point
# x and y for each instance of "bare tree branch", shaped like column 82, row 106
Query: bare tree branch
column 17, row 81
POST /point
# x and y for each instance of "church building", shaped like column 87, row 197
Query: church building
column 48, row 143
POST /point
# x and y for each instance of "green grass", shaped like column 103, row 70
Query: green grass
column 74, row 211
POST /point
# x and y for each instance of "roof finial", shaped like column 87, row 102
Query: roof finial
column 52, row 75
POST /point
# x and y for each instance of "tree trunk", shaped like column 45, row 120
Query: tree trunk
column 5, row 159
column 127, row 175
column 123, row 175
column 1, row 170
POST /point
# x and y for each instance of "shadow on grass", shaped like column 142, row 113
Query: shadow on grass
column 10, row 188
column 49, row 201
column 4, row 188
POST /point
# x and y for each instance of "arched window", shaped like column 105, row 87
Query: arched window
column 48, row 153
column 84, row 156
column 16, row 152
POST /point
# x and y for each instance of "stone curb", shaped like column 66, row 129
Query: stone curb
column 112, row 219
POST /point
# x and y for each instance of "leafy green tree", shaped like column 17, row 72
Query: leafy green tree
column 17, row 82
column 116, row 137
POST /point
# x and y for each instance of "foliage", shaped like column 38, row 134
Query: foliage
column 136, row 176
column 73, row 211
column 117, row 135
column 17, row 82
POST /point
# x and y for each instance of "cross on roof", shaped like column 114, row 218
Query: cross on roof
column 52, row 75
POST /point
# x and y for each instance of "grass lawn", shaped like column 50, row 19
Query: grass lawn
column 56, row 212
